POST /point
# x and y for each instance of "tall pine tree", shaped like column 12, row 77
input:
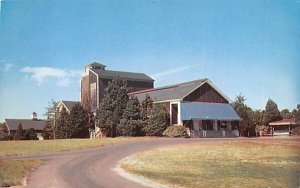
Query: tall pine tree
column 112, row 106
column 146, row 107
column 157, row 121
column 271, row 112
column 78, row 122
column 130, row 124
column 246, row 127
column 62, row 129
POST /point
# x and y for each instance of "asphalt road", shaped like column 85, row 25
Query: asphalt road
column 91, row 167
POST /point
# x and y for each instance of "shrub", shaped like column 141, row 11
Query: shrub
column 296, row 131
column 175, row 131
column 262, row 129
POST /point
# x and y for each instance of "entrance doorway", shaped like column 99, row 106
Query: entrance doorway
column 174, row 113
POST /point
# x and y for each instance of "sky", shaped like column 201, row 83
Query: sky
column 248, row 47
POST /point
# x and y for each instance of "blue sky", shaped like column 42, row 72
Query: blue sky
column 247, row 47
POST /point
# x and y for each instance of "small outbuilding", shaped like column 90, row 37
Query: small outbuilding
column 38, row 125
column 283, row 127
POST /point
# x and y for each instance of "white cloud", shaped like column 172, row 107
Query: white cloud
column 41, row 74
column 160, row 75
column 7, row 67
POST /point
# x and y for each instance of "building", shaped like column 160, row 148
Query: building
column 68, row 105
column 37, row 124
column 283, row 127
column 96, row 78
column 198, row 105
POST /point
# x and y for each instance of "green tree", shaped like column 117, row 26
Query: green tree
column 130, row 124
column 30, row 134
column 19, row 135
column 146, row 107
column 51, row 110
column 157, row 121
column 52, row 115
column 286, row 114
column 4, row 133
column 271, row 112
column 112, row 106
column 246, row 127
column 78, row 122
column 297, row 114
column 62, row 129
column 132, row 110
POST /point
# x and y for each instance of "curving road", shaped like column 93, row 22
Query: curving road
column 89, row 167
column 92, row 167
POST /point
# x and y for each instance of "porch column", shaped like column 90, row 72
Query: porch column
column 215, row 125
column 200, row 124
column 196, row 124
column 179, row 121
column 229, row 125
column 170, row 112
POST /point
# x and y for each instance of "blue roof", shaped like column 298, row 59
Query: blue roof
column 207, row 111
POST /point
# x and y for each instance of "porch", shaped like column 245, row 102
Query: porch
column 206, row 120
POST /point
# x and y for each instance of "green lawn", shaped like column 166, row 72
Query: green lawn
column 220, row 164
column 13, row 172
column 29, row 147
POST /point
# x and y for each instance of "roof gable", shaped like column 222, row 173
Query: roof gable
column 68, row 104
column 175, row 92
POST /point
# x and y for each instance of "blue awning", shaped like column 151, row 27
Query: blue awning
column 207, row 111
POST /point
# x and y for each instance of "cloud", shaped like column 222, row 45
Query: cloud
column 7, row 67
column 162, row 74
column 42, row 74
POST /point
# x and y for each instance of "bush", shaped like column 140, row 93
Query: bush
column 296, row 131
column 262, row 129
column 175, row 131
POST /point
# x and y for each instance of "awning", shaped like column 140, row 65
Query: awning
column 208, row 111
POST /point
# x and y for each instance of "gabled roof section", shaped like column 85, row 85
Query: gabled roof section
column 38, row 125
column 171, row 92
column 109, row 74
column 68, row 104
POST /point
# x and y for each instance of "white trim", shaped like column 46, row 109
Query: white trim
column 179, row 120
column 97, row 87
column 172, row 100
column 64, row 106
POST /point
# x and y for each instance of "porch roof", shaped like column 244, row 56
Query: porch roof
column 284, row 122
column 208, row 111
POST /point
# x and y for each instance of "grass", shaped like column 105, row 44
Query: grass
column 220, row 164
column 12, row 172
column 30, row 147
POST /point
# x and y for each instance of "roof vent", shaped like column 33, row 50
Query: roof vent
column 96, row 65
column 34, row 116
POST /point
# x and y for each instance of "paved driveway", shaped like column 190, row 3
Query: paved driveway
column 92, row 167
